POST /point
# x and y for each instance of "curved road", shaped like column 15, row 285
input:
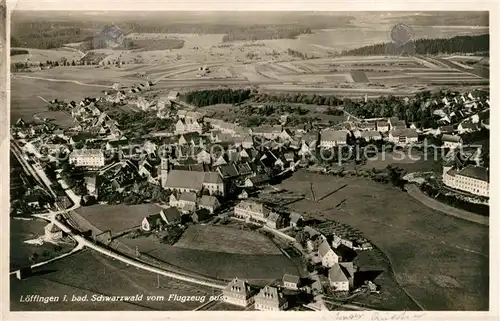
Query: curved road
column 417, row 194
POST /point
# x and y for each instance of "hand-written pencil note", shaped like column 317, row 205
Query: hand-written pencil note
column 375, row 316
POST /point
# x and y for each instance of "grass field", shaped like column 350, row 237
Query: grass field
column 24, row 92
column 89, row 273
column 440, row 260
column 20, row 252
column 57, row 117
column 226, row 239
column 117, row 218
column 214, row 263
column 41, row 55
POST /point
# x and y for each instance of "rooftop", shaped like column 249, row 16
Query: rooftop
column 477, row 172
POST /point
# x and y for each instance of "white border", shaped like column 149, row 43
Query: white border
column 202, row 5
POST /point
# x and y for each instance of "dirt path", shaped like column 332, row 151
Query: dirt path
column 417, row 194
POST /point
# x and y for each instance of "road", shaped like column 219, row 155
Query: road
column 65, row 80
column 417, row 194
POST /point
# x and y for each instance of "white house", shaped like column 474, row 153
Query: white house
column 403, row 136
column 327, row 255
column 341, row 276
column 382, row 126
column 331, row 138
column 270, row 299
column 238, row 292
column 251, row 210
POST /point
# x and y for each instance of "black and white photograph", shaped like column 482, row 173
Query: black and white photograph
column 249, row 161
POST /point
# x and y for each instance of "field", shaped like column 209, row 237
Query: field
column 89, row 273
column 117, row 218
column 441, row 261
column 20, row 252
column 215, row 262
column 25, row 91
column 41, row 55
column 226, row 239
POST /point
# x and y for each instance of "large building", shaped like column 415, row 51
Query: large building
column 331, row 138
column 270, row 299
column 471, row 179
column 87, row 158
column 191, row 181
column 238, row 292
column 250, row 210
column 403, row 137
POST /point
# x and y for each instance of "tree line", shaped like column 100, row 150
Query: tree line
column 458, row 44
column 217, row 96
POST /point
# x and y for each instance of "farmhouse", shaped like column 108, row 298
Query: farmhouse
column 275, row 221
column 400, row 124
column 257, row 180
column 238, row 292
column 173, row 95
column 291, row 282
column 268, row 131
column 341, row 276
column 151, row 222
column 403, row 136
column 187, row 202
column 451, row 141
column 250, row 210
column 270, row 299
column 192, row 181
column 93, row 158
column 327, row 255
column 167, row 216
column 471, row 179
column 210, row 203
column 296, row 220
column 331, row 138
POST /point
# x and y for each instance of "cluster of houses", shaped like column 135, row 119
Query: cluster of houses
column 255, row 212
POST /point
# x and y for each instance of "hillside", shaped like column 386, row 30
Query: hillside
column 459, row 44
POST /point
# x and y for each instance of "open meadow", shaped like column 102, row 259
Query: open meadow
column 226, row 239
column 441, row 261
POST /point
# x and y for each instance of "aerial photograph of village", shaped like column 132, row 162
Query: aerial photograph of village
column 249, row 161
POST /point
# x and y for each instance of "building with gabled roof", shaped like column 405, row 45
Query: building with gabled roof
column 238, row 292
column 338, row 279
column 270, row 299
column 327, row 255
column 210, row 203
column 251, row 210
column 291, row 281
column 471, row 179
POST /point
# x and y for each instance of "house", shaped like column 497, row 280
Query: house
column 367, row 126
column 151, row 222
column 382, row 126
column 238, row 292
column 341, row 276
column 327, row 255
column 203, row 157
column 331, row 138
column 296, row 220
column 275, row 221
column 53, row 232
column 187, row 202
column 257, row 180
column 200, row 215
column 93, row 158
column 91, row 185
column 210, row 203
column 291, row 282
column 250, row 210
column 451, row 141
column 403, row 136
column 467, row 127
column 268, row 131
column 400, row 124
column 212, row 181
column 471, row 179
column 270, row 298
column 370, row 135
column 173, row 95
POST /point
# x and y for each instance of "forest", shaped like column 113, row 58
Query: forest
column 459, row 44
column 218, row 96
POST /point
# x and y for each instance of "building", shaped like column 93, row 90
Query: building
column 382, row 126
column 268, row 131
column 188, row 125
column 187, row 202
column 341, row 276
column 238, row 292
column 467, row 127
column 200, row 215
column 397, row 125
column 209, row 203
column 296, row 220
column 403, row 137
column 250, row 210
column 167, row 216
column 53, row 232
column 270, row 299
column 370, row 135
column 151, row 222
column 451, row 141
column 257, row 180
column 327, row 255
column 275, row 221
column 471, row 179
column 191, row 181
column 331, row 138
column 93, row 158
column 291, row 282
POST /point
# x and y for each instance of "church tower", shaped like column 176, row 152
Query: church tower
column 164, row 168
